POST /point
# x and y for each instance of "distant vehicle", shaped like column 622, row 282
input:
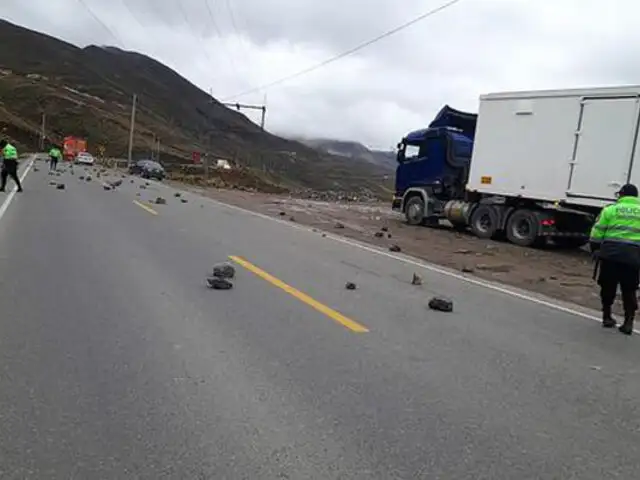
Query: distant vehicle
column 72, row 146
column 85, row 158
column 148, row 169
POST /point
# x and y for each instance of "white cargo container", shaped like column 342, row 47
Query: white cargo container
column 575, row 147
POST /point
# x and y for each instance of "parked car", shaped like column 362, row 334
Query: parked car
column 148, row 169
column 136, row 168
column 85, row 158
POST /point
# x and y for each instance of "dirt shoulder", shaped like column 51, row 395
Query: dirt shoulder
column 565, row 275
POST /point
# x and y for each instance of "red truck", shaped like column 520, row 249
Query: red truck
column 72, row 146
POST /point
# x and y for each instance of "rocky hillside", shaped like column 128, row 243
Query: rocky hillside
column 353, row 150
column 88, row 92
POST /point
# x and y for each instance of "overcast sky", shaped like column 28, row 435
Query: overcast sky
column 379, row 93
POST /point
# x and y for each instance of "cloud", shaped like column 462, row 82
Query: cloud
column 378, row 94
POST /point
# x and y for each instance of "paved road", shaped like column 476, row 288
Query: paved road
column 117, row 362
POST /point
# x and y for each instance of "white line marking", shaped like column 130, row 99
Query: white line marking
column 7, row 201
column 417, row 263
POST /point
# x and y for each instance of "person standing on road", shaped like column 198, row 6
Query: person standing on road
column 615, row 241
column 9, row 165
column 54, row 156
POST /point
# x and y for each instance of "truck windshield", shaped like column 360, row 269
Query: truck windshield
column 411, row 151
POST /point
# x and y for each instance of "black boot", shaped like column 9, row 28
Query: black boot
column 627, row 326
column 607, row 320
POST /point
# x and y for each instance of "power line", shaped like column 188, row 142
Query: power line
column 220, row 37
column 345, row 53
column 104, row 25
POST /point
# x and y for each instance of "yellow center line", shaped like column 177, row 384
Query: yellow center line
column 303, row 297
column 145, row 207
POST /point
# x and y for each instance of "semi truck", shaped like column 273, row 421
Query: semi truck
column 530, row 167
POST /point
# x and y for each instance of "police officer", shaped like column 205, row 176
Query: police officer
column 615, row 240
column 54, row 156
column 9, row 165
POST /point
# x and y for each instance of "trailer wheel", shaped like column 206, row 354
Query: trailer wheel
column 414, row 210
column 523, row 229
column 484, row 221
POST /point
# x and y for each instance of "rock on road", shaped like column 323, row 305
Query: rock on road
column 118, row 362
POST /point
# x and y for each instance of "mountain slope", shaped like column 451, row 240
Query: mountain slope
column 353, row 150
column 88, row 92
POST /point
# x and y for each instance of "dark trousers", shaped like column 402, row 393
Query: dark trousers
column 10, row 169
column 53, row 163
column 613, row 274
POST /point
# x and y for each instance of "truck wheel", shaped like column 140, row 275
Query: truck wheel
column 484, row 221
column 414, row 210
column 522, row 229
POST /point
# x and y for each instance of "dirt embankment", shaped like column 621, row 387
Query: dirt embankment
column 565, row 275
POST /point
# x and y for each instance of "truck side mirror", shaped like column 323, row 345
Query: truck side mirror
column 400, row 156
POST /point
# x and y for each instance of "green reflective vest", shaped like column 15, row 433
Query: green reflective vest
column 617, row 231
column 55, row 153
column 10, row 152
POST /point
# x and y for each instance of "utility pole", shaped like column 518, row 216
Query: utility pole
column 42, row 134
column 158, row 149
column 131, row 128
column 262, row 108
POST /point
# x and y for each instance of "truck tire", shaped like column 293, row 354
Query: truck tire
column 523, row 229
column 414, row 210
column 484, row 221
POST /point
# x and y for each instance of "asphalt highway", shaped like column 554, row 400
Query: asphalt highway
column 117, row 361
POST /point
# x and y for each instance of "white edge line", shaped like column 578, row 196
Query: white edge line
column 427, row 266
column 7, row 201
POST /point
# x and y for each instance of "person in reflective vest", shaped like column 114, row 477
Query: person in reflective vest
column 615, row 241
column 54, row 156
column 9, row 165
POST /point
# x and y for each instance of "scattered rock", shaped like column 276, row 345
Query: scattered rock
column 553, row 277
column 339, row 225
column 88, row 178
column 81, row 177
column 106, row 187
column 388, row 235
column 183, row 200
column 36, row 169
column 60, row 186
column 116, row 183
column 324, row 235
column 292, row 219
column 219, row 283
column 132, row 181
column 498, row 268
column 463, row 251
column 138, row 194
column 378, row 234
column 395, row 248
column 224, row 270
column 441, row 304
column 160, row 201
column 282, row 214
column 416, row 280
column 146, row 184
column 467, row 270
column 384, row 229
column 53, row 183
column 177, row 194
column 350, row 286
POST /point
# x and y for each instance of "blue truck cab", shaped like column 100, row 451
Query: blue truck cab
column 433, row 165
